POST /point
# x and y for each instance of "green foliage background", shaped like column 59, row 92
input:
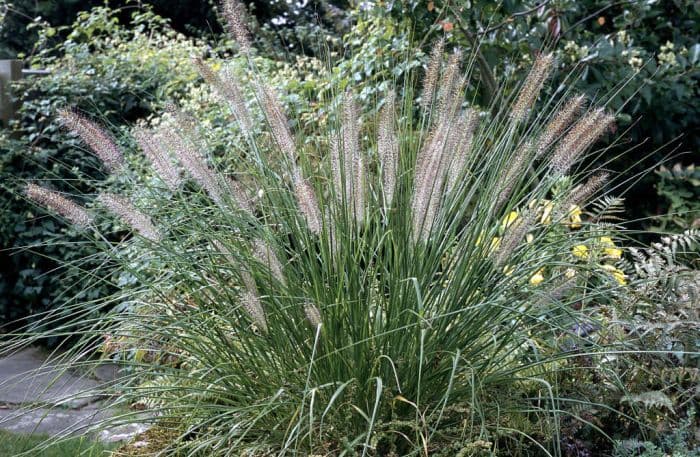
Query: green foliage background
column 108, row 72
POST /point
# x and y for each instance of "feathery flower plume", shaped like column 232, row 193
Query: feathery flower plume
column 160, row 159
column 531, row 87
column 428, row 181
column 516, row 167
column 513, row 237
column 431, row 74
column 265, row 255
column 235, row 14
column 583, row 192
column 306, row 198
column 352, row 157
column 561, row 121
column 580, row 194
column 59, row 204
column 250, row 300
column 388, row 147
column 450, row 86
column 122, row 208
column 582, row 135
column 195, row 166
column 465, row 126
column 228, row 90
column 216, row 186
column 101, row 143
column 313, row 314
column 340, row 185
column 279, row 125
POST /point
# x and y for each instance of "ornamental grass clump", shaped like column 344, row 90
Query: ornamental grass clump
column 410, row 288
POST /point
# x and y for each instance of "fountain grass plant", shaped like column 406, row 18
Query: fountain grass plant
column 417, row 282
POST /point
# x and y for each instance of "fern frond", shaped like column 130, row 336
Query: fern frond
column 607, row 208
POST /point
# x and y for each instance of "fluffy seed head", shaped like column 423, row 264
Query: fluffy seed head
column 279, row 124
column 339, row 184
column 431, row 74
column 122, row 208
column 153, row 147
column 466, row 125
column 450, row 87
column 513, row 237
column 195, row 165
column 250, row 300
column 265, row 255
column 313, row 314
column 101, row 142
column 235, row 15
column 580, row 195
column 514, row 169
column 561, row 121
column 581, row 136
column 531, row 87
column 306, row 199
column 242, row 198
column 428, row 181
column 583, row 192
column 59, row 204
column 228, row 90
column 183, row 148
column 388, row 147
column 353, row 160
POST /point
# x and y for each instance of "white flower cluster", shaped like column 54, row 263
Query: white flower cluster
column 667, row 56
column 574, row 52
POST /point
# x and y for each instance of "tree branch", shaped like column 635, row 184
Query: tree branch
column 484, row 68
column 513, row 16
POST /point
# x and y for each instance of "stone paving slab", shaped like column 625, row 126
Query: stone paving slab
column 68, row 422
column 39, row 397
column 51, row 421
column 25, row 377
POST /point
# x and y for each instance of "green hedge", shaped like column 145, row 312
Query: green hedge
column 110, row 73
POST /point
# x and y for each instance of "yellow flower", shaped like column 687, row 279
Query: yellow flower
column 609, row 248
column 616, row 273
column 509, row 219
column 575, row 217
column 570, row 273
column 613, row 253
column 607, row 241
column 537, row 278
column 580, row 251
column 547, row 212
column 495, row 242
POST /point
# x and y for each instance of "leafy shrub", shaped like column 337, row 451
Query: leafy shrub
column 103, row 70
column 680, row 189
